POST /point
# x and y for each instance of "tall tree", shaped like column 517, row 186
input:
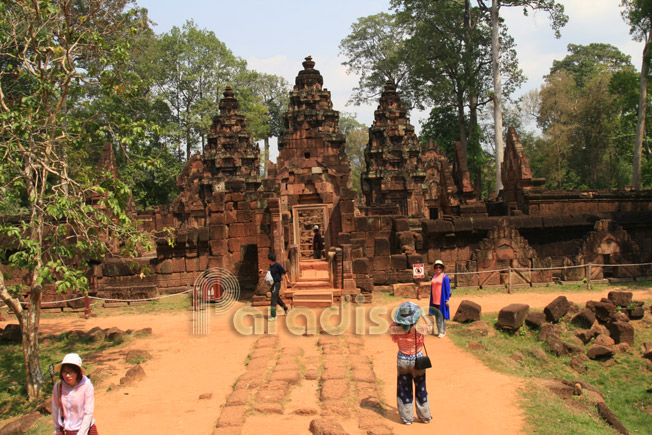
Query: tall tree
column 558, row 20
column 272, row 93
column 586, row 61
column 450, row 64
column 192, row 69
column 638, row 14
column 374, row 50
column 357, row 137
column 61, row 53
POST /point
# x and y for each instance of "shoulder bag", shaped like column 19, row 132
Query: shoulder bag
column 422, row 362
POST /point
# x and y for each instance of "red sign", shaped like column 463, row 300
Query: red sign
column 417, row 271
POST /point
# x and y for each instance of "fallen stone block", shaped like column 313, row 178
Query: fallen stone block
column 511, row 317
column 468, row 311
column 557, row 309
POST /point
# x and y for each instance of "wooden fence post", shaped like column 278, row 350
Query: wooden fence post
column 509, row 279
column 588, row 278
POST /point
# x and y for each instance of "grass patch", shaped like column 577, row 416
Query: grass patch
column 627, row 384
column 13, row 392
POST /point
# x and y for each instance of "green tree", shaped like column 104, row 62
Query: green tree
column 357, row 138
column 638, row 14
column 270, row 94
column 557, row 119
column 448, row 51
column 374, row 50
column 590, row 108
column 61, row 52
column 192, row 67
column 558, row 20
column 586, row 61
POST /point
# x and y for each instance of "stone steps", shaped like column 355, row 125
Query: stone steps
column 320, row 298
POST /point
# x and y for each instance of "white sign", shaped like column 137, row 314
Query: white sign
column 417, row 271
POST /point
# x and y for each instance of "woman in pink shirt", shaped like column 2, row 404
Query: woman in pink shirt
column 409, row 337
column 73, row 399
column 440, row 293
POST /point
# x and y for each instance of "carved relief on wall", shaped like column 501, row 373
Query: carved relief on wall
column 608, row 244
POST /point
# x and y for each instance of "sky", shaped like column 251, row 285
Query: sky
column 274, row 36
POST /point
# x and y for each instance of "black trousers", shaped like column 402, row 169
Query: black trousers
column 276, row 299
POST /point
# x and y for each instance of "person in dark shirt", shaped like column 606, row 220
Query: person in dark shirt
column 278, row 274
column 317, row 243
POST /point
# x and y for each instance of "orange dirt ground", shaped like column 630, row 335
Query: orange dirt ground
column 465, row 396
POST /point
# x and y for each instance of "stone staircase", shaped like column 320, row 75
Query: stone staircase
column 313, row 288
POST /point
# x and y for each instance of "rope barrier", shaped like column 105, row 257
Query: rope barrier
column 112, row 300
column 574, row 266
column 138, row 300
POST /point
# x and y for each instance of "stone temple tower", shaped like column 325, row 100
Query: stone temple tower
column 312, row 167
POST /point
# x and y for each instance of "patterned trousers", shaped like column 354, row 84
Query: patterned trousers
column 407, row 375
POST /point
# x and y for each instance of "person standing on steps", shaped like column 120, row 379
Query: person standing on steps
column 278, row 274
column 409, row 337
column 440, row 293
column 317, row 243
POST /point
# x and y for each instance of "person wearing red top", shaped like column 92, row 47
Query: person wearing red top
column 440, row 293
column 409, row 337
column 73, row 399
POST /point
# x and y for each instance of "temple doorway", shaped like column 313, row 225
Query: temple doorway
column 305, row 218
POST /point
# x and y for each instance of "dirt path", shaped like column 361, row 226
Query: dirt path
column 465, row 396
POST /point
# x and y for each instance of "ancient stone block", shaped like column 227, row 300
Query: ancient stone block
column 406, row 290
column 535, row 319
column 620, row 298
column 178, row 265
column 621, row 332
column 547, row 330
column 218, row 232
column 165, row 267
column 512, row 316
column 398, row 262
column 584, row 319
column 381, row 263
column 557, row 309
column 468, row 311
column 635, row 313
column 361, row 266
column 381, row 247
column 604, row 311
column 380, row 277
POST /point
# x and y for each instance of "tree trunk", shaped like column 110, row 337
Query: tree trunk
column 266, row 156
column 462, row 124
column 30, row 327
column 640, row 125
column 498, row 95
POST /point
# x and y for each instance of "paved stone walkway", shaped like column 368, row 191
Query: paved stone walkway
column 326, row 376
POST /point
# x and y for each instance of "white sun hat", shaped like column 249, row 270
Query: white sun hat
column 71, row 358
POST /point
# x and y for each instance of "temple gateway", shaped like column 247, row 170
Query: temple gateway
column 417, row 207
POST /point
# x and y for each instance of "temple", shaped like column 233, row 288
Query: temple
column 416, row 207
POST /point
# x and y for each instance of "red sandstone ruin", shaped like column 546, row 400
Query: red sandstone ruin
column 418, row 207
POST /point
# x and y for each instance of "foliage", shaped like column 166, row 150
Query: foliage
column 447, row 50
column 375, row 51
column 588, row 115
column 357, row 137
column 638, row 14
column 586, row 61
column 189, row 70
column 64, row 55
